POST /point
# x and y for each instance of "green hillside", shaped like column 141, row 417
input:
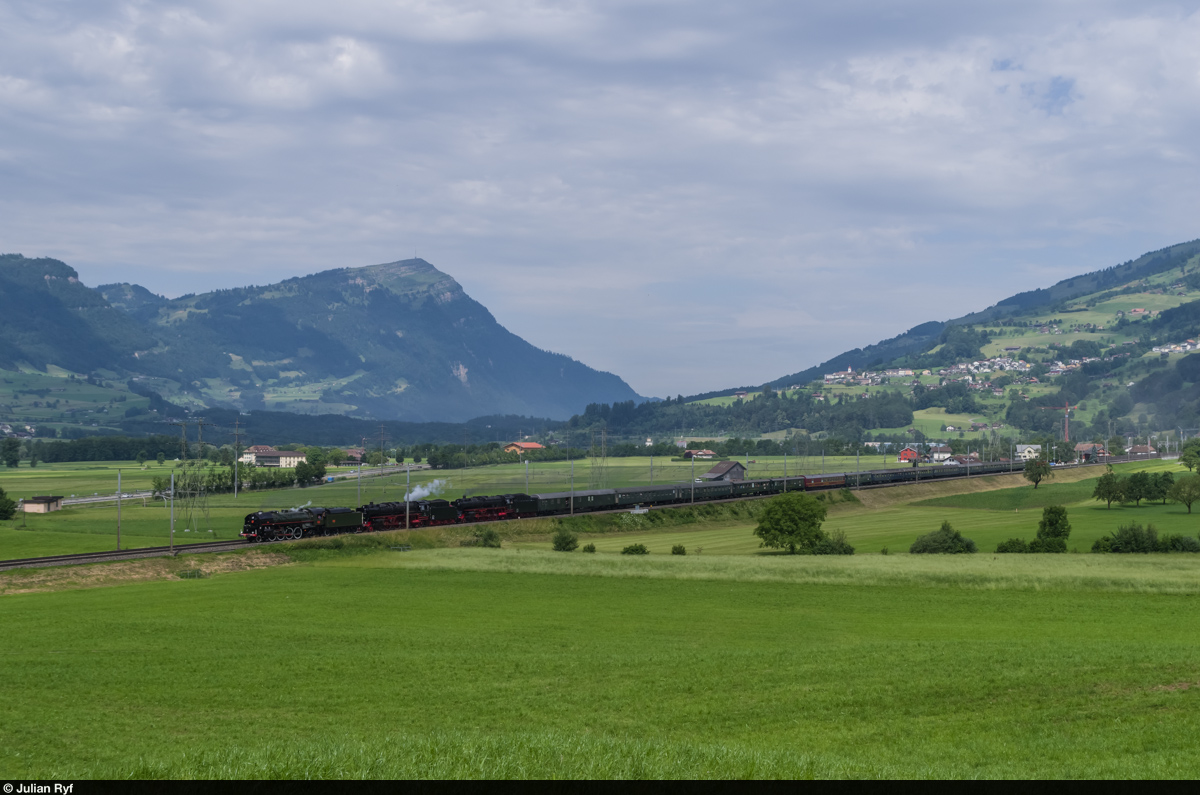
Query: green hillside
column 396, row 341
column 1113, row 344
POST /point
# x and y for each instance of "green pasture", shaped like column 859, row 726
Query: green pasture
column 457, row 663
column 27, row 393
column 930, row 421
column 887, row 519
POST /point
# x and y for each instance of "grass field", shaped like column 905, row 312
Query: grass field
column 515, row 663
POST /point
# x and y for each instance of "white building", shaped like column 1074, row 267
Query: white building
column 1028, row 452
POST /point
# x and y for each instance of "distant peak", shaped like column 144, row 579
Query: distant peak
column 407, row 276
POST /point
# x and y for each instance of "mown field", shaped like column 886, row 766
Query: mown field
column 351, row 662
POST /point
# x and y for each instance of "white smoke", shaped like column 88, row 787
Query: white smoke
column 305, row 505
column 427, row 490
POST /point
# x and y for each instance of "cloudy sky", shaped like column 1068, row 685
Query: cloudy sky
column 694, row 195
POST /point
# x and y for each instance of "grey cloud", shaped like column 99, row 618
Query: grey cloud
column 748, row 186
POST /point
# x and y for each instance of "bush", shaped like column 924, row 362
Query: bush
column 1179, row 544
column 1129, row 539
column 835, row 544
column 678, row 549
column 487, row 538
column 635, row 549
column 1013, row 545
column 565, row 540
column 588, row 548
column 1048, row 545
column 883, row 551
column 8, row 506
column 945, row 540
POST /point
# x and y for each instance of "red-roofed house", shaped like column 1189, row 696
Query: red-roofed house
column 522, row 447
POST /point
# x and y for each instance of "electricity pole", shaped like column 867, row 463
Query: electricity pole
column 237, row 453
column 118, row 510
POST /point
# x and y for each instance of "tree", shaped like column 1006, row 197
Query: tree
column 1053, row 531
column 1189, row 456
column 33, row 460
column 141, row 457
column 1054, row 523
column 336, row 457
column 1160, row 486
column 1138, row 487
column 791, row 521
column 374, row 458
column 8, row 507
column 1116, row 445
column 945, row 540
column 160, row 458
column 1036, row 470
column 1108, row 488
column 159, row 486
column 1186, row 490
column 10, row 452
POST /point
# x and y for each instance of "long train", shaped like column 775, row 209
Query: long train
column 416, row 514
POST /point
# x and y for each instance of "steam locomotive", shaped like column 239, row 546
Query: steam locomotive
column 416, row 514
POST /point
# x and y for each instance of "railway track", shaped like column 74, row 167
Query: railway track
column 123, row 554
column 223, row 546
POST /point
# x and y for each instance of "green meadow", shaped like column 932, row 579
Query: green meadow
column 352, row 662
column 343, row 658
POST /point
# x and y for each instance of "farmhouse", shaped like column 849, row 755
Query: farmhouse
column 1088, row 451
column 355, row 454
column 1028, row 452
column 522, row 447
column 908, row 454
column 940, row 452
column 726, row 470
column 279, row 458
column 1142, row 449
column 42, row 504
column 698, row 454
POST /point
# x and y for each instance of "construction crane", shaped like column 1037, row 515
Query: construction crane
column 1066, row 410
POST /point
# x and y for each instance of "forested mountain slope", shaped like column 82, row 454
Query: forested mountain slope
column 399, row 341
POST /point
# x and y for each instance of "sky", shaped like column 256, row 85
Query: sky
column 694, row 196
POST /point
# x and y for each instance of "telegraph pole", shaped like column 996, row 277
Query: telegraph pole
column 118, row 510
column 172, row 512
column 237, row 453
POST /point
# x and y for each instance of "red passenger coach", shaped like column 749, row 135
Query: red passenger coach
column 824, row 481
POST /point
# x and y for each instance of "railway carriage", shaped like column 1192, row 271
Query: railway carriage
column 303, row 522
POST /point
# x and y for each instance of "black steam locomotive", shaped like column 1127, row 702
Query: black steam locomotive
column 416, row 514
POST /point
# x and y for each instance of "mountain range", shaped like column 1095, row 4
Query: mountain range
column 929, row 335
column 401, row 340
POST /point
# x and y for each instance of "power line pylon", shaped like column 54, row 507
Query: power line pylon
column 1066, row 410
